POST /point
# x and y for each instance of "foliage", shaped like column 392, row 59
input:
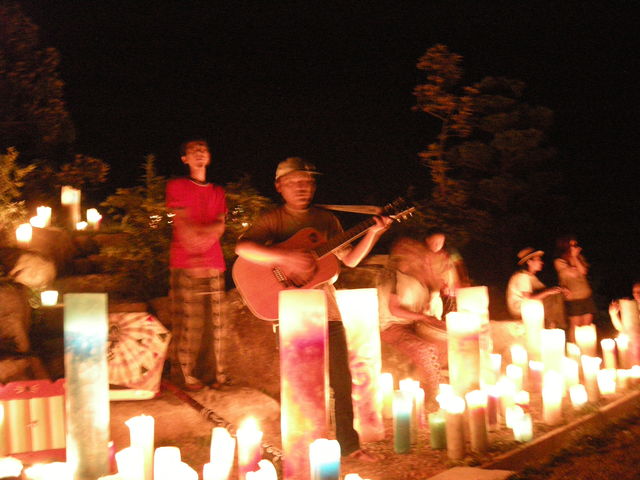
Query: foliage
column 12, row 210
column 33, row 117
column 492, row 171
column 143, row 259
column 84, row 171
column 244, row 204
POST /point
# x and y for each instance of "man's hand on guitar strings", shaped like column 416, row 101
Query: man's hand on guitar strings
column 298, row 266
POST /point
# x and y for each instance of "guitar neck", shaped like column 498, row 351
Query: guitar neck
column 344, row 238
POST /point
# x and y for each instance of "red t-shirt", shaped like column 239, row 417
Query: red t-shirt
column 203, row 203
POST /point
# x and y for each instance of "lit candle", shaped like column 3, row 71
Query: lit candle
column 523, row 428
column 552, row 393
column 386, row 385
column 49, row 298
column 535, row 375
column 455, row 428
column 324, row 459
column 514, row 372
column 570, row 371
column 496, row 365
column 477, row 406
column 142, row 431
column 266, row 471
column 418, row 399
column 166, row 461
column 70, row 200
column 475, row 300
column 630, row 323
column 463, row 340
column 507, row 393
column 493, row 405
column 411, row 387
column 573, row 352
column 606, row 379
column 87, row 384
column 402, row 414
column 24, row 232
column 47, row 471
column 513, row 414
column 552, row 349
column 45, row 214
column 586, row 338
column 590, row 368
column 532, row 312
column 37, row 222
column 578, row 395
column 10, row 466
column 437, row 431
column 445, row 391
column 249, row 446
column 622, row 342
column 130, row 462
column 608, row 352
column 221, row 455
column 304, row 396
column 622, row 379
column 81, row 225
column 522, row 399
column 185, row 472
column 634, row 375
column 93, row 218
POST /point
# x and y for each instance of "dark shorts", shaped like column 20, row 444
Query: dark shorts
column 581, row 307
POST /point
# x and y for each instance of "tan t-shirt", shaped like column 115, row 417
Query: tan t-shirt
column 570, row 278
column 522, row 282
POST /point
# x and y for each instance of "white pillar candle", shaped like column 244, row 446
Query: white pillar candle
column 507, row 394
column 165, row 463
column 590, row 368
column 455, row 428
column 514, row 372
column 608, row 352
column 24, row 232
column 49, row 298
column 523, row 428
column 634, row 375
column 37, row 222
column 578, row 395
column 586, row 339
column 535, row 375
column 552, row 349
column 48, row 471
column 142, row 431
column 130, row 463
column 387, row 388
column 93, row 218
column 606, row 381
column 445, row 391
column 552, row 393
column 570, row 371
column 45, row 214
column 475, row 300
column 622, row 379
column 324, row 459
column 513, row 413
column 221, row 455
column 477, row 407
column 249, row 439
column 522, row 399
column 10, row 466
column 266, row 471
column 622, row 344
column 532, row 313
column 70, row 200
column 496, row 366
column 573, row 352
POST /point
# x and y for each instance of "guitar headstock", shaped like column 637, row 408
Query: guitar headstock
column 398, row 210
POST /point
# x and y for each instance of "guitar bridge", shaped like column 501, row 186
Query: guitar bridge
column 281, row 277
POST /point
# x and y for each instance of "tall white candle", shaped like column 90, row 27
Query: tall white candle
column 455, row 428
column 578, row 395
column 552, row 349
column 514, row 372
column 622, row 343
column 606, row 379
column 477, row 406
column 532, row 313
column 142, row 431
column 552, row 393
column 249, row 439
column 608, row 352
column 45, row 214
column 586, row 339
column 166, row 461
column 221, row 456
column 24, row 232
column 130, row 463
column 590, row 368
column 463, row 339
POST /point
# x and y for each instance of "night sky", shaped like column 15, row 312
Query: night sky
column 332, row 82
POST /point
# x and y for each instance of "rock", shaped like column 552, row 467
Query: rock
column 34, row 270
column 15, row 320
column 56, row 244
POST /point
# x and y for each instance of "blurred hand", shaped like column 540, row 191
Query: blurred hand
column 299, row 266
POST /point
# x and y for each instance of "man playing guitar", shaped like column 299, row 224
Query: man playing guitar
column 295, row 181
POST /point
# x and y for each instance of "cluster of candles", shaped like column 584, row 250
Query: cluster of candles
column 70, row 199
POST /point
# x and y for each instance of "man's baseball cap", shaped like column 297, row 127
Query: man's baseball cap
column 295, row 164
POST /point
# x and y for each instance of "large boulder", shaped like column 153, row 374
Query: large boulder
column 15, row 320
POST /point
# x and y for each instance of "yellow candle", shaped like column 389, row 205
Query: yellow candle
column 552, row 349
column 586, row 338
column 608, row 352
column 606, row 379
column 590, row 368
column 455, row 428
column 552, row 393
column 533, row 318
column 622, row 342
column 387, row 388
column 578, row 395
column 477, row 406
column 24, row 232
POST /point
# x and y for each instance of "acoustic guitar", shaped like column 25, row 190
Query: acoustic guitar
column 260, row 285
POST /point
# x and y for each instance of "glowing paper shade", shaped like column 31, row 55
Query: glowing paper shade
column 87, row 384
column 141, row 430
column 477, row 406
column 324, row 459
column 455, row 428
column 303, row 379
column 586, row 339
column 249, row 439
column 359, row 311
column 463, row 341
column 532, row 312
column 24, row 232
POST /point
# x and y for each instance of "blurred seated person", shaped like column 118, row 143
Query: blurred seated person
column 405, row 319
column 614, row 308
column 525, row 284
column 444, row 272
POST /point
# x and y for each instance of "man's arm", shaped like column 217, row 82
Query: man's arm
column 197, row 238
column 364, row 246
